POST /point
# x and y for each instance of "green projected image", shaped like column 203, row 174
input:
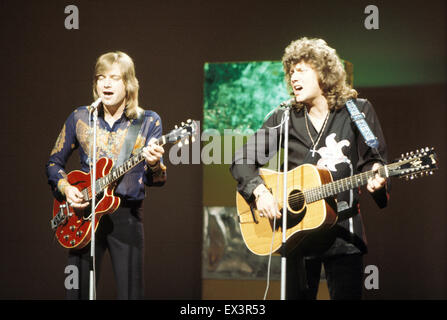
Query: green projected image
column 237, row 96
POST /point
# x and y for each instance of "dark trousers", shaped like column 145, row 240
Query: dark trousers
column 344, row 275
column 122, row 234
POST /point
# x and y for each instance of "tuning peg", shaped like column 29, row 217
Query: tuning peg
column 183, row 123
column 193, row 139
column 188, row 121
column 186, row 142
column 180, row 144
column 176, row 127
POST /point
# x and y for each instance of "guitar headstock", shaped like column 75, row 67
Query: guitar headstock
column 415, row 164
column 184, row 131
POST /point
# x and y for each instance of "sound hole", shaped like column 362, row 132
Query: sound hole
column 296, row 200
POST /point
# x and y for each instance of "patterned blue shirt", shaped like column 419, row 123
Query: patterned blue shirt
column 77, row 134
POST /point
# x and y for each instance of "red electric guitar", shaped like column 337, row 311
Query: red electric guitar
column 72, row 226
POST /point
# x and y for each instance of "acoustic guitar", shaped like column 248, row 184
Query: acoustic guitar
column 311, row 204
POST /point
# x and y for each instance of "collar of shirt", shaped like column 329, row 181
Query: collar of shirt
column 116, row 125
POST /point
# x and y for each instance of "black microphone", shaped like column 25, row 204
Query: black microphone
column 95, row 104
column 287, row 103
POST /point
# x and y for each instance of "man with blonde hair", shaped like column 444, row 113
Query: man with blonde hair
column 321, row 133
column 121, row 232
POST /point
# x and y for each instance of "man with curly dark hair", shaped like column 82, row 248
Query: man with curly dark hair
column 321, row 133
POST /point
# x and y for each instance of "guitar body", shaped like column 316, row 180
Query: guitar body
column 75, row 231
column 302, row 217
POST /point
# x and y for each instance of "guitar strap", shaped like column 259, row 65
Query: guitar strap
column 130, row 140
column 359, row 119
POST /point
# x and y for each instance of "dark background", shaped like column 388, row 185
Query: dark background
column 47, row 71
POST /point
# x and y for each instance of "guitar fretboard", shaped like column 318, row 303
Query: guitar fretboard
column 336, row 187
column 117, row 172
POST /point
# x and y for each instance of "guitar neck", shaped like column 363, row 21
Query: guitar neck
column 116, row 173
column 336, row 187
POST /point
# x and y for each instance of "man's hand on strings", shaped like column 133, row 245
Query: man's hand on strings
column 153, row 152
column 266, row 203
column 74, row 197
column 377, row 182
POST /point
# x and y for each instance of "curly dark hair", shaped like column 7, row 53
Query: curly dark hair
column 327, row 64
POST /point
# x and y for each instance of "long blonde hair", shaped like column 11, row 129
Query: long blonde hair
column 327, row 64
column 127, row 68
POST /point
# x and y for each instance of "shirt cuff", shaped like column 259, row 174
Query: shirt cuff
column 247, row 189
column 61, row 185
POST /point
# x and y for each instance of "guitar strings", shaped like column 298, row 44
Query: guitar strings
column 332, row 186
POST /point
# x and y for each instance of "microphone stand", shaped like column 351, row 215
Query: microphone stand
column 92, row 288
column 284, row 204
